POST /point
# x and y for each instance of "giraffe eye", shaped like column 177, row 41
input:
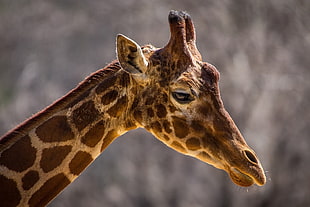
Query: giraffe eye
column 182, row 97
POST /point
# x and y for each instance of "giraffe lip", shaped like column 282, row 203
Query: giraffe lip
column 240, row 178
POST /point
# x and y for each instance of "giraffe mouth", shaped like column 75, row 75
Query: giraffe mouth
column 240, row 178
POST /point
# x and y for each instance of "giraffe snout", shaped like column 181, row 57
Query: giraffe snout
column 248, row 171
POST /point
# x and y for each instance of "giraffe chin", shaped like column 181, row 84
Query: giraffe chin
column 240, row 178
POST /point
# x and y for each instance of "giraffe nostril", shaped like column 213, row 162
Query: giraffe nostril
column 250, row 156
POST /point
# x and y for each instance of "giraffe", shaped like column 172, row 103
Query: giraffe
column 168, row 91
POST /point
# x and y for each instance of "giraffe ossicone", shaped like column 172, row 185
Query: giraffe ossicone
column 168, row 91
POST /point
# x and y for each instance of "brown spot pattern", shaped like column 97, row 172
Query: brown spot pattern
column 84, row 115
column 94, row 135
column 135, row 103
column 119, row 107
column 9, row 194
column 167, row 126
column 172, row 66
column 193, row 144
column 49, row 190
column 29, row 179
column 197, row 127
column 164, row 98
column 80, row 161
column 181, row 129
column 172, row 109
column 56, row 129
column 209, row 141
column 150, row 112
column 124, row 80
column 53, row 157
column 156, row 126
column 161, row 111
column 179, row 64
column 20, row 156
column 129, row 125
column 108, row 139
column 177, row 146
column 138, row 116
column 109, row 97
column 166, row 137
column 204, row 156
column 205, row 109
column 221, row 125
column 108, row 82
column 149, row 101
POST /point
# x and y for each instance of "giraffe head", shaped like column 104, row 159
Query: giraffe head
column 178, row 100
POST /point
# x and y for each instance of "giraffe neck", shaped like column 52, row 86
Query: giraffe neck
column 39, row 158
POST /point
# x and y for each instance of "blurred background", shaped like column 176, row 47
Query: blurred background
column 261, row 48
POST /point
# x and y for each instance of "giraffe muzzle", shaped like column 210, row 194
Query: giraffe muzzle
column 251, row 174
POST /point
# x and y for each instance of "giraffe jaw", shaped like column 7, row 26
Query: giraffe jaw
column 245, row 180
column 240, row 178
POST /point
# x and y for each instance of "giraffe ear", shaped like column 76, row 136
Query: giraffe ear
column 130, row 56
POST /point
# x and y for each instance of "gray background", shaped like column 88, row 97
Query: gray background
column 260, row 47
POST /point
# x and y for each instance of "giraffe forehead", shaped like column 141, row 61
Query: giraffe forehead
column 166, row 66
column 172, row 72
column 202, row 76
